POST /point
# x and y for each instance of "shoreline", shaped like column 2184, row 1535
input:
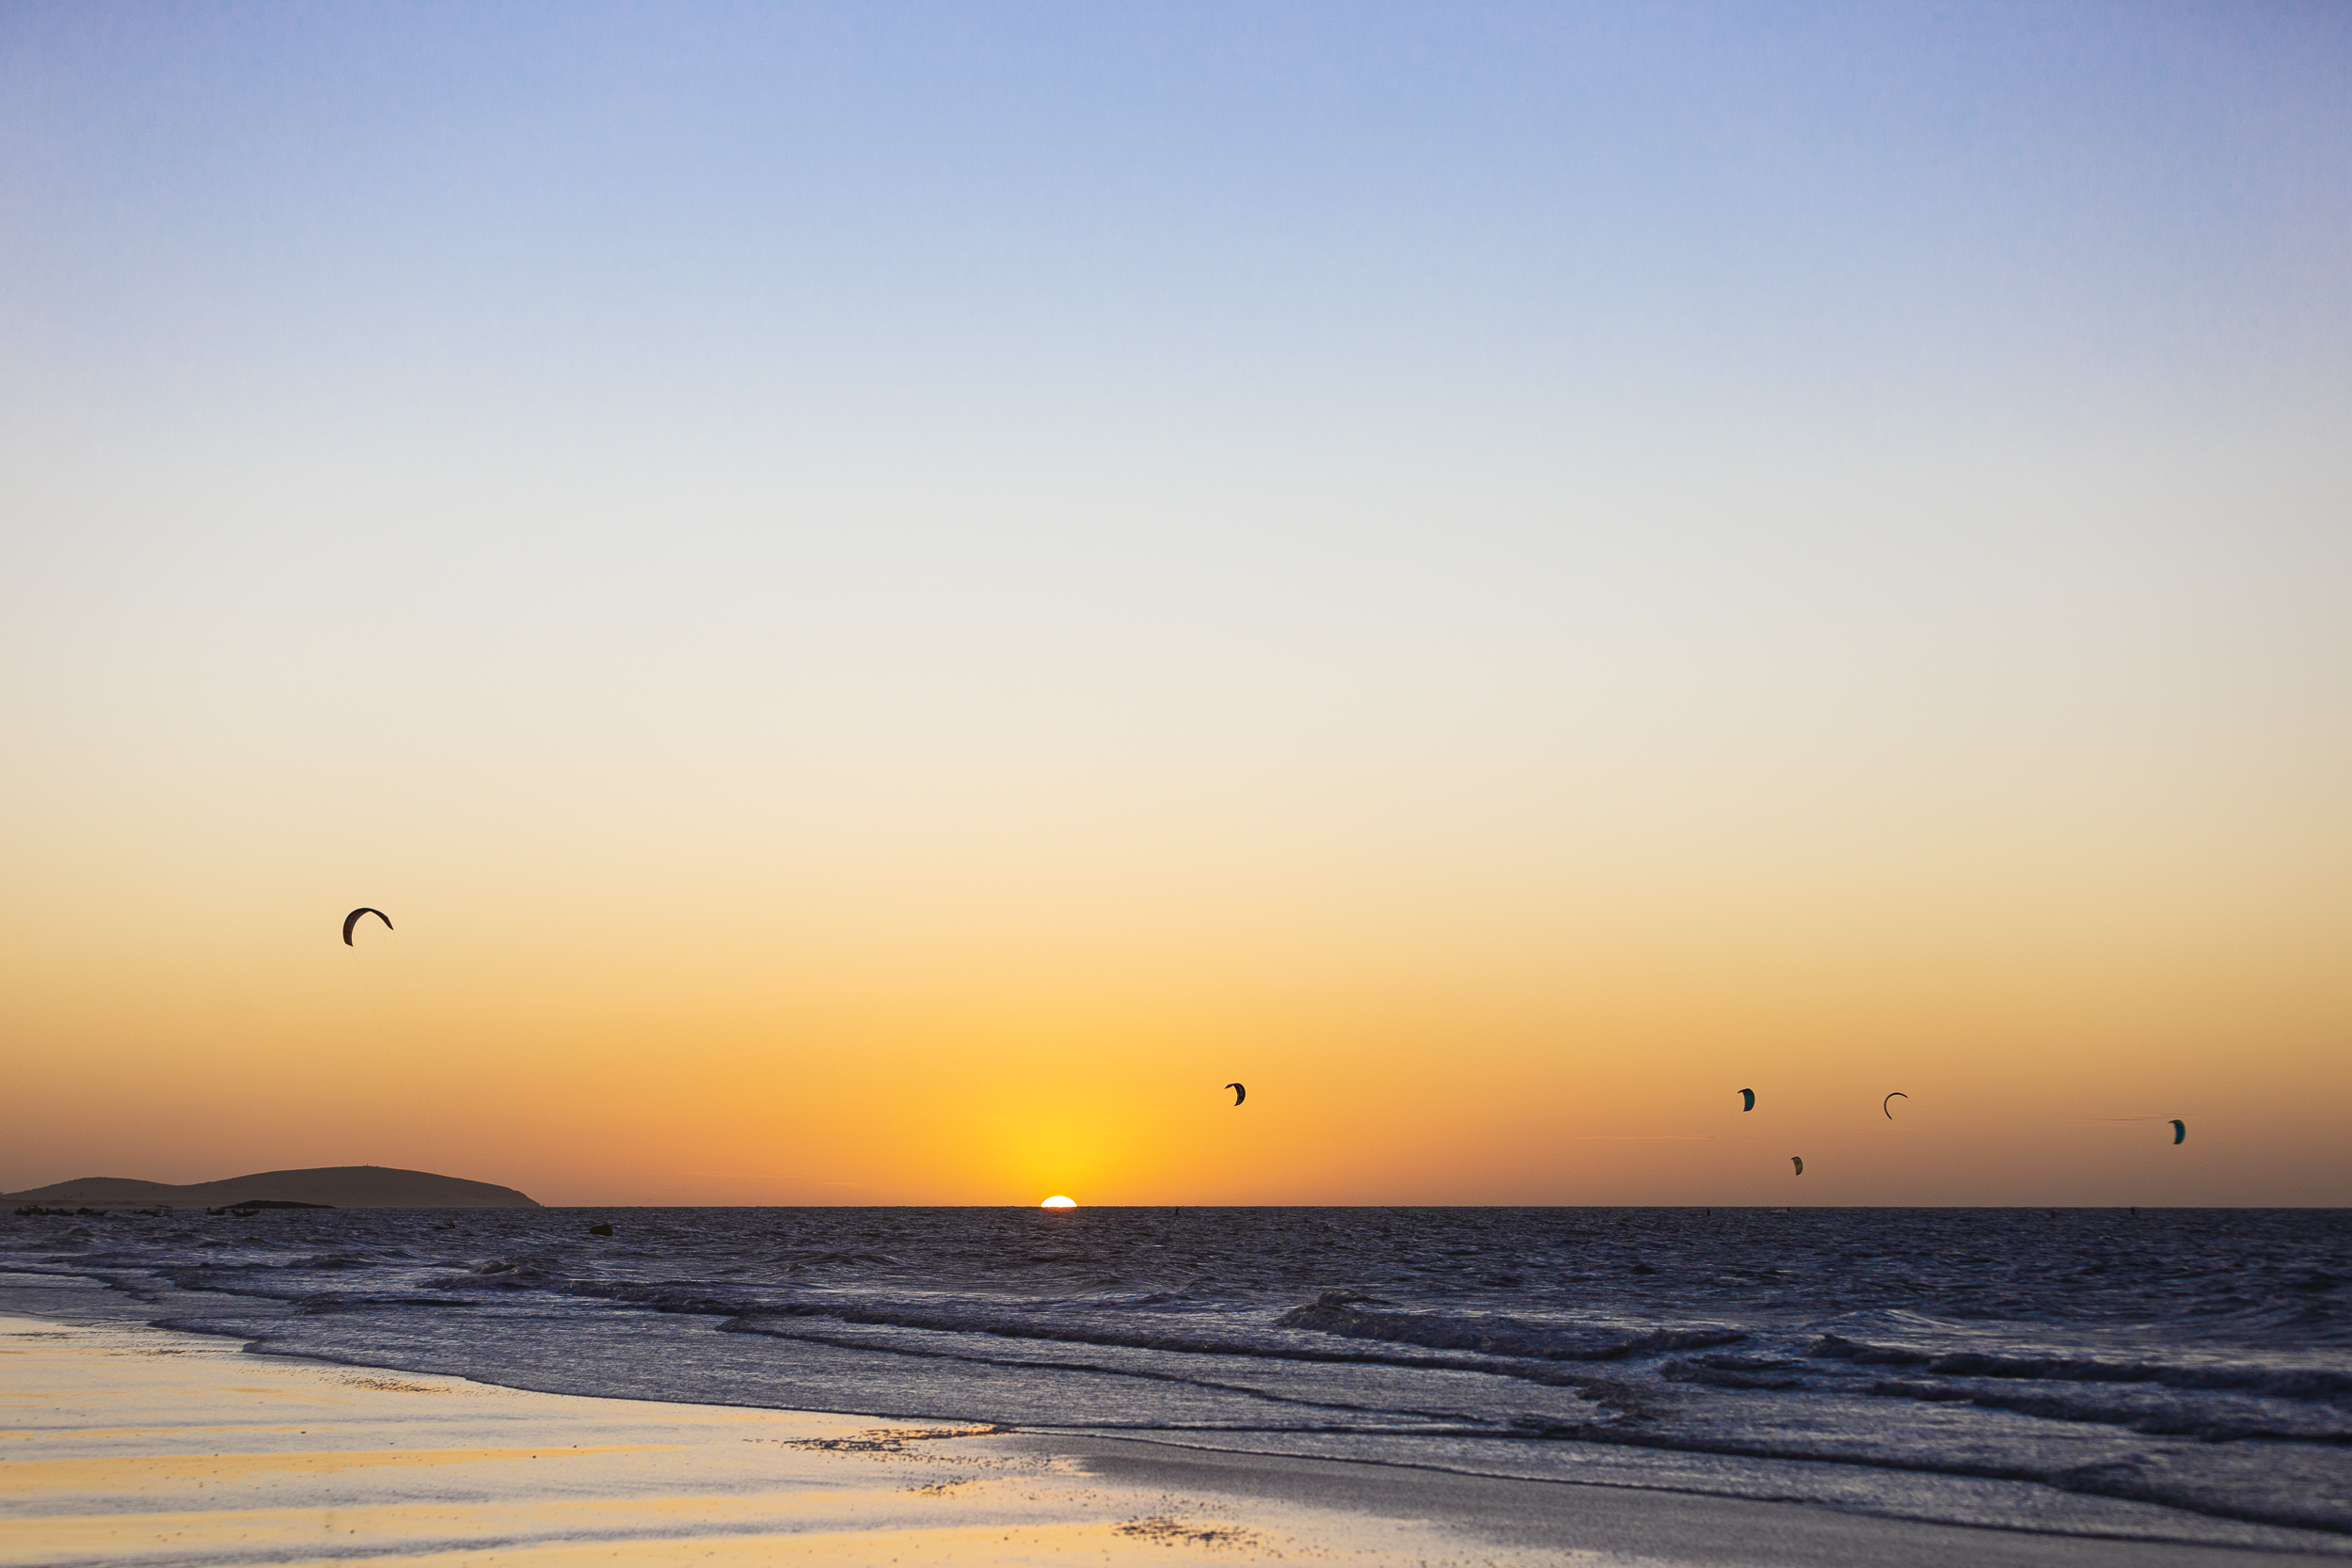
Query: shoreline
column 117, row 1430
column 1647, row 1524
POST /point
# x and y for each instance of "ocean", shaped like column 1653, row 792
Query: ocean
column 2169, row 1373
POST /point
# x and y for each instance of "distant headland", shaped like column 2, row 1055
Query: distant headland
column 327, row 1187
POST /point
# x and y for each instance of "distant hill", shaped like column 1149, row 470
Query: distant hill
column 335, row 1186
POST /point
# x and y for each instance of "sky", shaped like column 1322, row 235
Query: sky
column 888, row 596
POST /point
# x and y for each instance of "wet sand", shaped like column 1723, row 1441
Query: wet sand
column 134, row 1445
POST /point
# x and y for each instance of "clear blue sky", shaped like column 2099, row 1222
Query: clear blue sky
column 1258, row 240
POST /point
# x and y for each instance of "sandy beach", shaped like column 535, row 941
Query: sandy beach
column 135, row 1445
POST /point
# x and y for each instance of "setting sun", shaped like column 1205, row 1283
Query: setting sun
column 1059, row 1202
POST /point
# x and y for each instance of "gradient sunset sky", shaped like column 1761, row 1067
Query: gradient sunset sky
column 889, row 596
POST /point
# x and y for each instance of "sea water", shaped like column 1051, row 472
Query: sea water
column 2181, row 1373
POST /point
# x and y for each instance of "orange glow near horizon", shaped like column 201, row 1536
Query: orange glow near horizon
column 590, row 1044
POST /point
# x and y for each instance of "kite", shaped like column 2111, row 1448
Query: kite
column 353, row 919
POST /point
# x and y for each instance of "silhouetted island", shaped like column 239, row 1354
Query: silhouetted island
column 327, row 1187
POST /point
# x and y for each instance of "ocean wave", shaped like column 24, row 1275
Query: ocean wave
column 2286, row 1383
column 1337, row 1312
column 1733, row 1371
column 786, row 1321
column 2205, row 1424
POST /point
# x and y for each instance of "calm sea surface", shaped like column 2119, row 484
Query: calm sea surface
column 2175, row 1372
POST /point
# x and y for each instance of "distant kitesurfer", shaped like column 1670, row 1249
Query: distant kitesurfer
column 353, row 919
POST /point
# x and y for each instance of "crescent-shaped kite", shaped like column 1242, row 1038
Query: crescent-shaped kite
column 1749, row 1096
column 353, row 919
column 2180, row 1131
column 1889, row 1109
column 1798, row 1160
column 1240, row 1094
